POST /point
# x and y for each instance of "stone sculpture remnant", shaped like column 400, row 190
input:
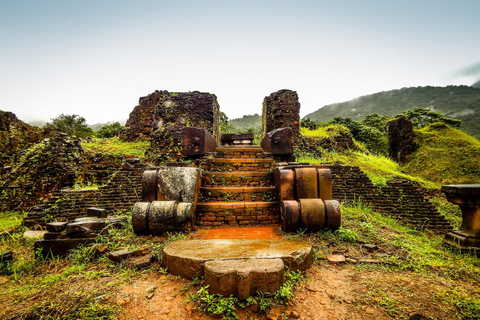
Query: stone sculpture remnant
column 467, row 197
column 169, row 199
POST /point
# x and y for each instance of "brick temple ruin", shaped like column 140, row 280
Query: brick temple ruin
column 168, row 121
column 197, row 178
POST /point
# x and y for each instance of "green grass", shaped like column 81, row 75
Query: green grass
column 10, row 219
column 116, row 146
column 324, row 132
column 445, row 156
column 379, row 169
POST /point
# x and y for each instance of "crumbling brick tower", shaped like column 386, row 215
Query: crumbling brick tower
column 193, row 109
column 281, row 109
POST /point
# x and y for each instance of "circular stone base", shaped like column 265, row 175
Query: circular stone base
column 187, row 258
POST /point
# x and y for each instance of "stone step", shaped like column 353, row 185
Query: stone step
column 237, row 164
column 238, row 178
column 223, row 193
column 240, row 152
column 237, row 213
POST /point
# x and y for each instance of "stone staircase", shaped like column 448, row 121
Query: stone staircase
column 237, row 188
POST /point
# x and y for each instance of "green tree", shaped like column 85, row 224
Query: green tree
column 71, row 124
column 109, row 130
column 376, row 120
column 421, row 118
column 375, row 139
column 223, row 123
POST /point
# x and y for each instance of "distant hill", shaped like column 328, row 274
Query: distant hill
column 476, row 84
column 246, row 122
column 460, row 102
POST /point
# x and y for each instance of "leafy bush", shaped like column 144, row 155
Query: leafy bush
column 109, row 130
column 71, row 124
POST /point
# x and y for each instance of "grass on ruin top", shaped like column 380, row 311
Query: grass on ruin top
column 445, row 156
column 324, row 132
column 116, row 146
column 379, row 169
column 10, row 220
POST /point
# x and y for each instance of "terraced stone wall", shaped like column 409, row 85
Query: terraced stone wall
column 402, row 199
column 119, row 195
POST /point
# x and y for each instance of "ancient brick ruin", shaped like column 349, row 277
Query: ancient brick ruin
column 193, row 109
column 401, row 139
column 281, row 109
column 237, row 183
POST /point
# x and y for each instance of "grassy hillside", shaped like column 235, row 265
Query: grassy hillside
column 445, row 156
column 246, row 122
column 460, row 102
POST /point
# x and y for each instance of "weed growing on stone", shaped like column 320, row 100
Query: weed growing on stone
column 216, row 304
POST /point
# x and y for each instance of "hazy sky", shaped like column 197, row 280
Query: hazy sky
column 96, row 58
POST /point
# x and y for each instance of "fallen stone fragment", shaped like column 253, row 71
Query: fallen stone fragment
column 369, row 247
column 275, row 313
column 55, row 235
column 101, row 250
column 86, row 226
column 336, row 258
column 351, row 260
column 56, row 226
column 141, row 262
column 372, row 261
column 244, row 277
column 59, row 247
column 97, row 212
column 33, row 234
column 120, row 255
column 142, row 251
column 6, row 255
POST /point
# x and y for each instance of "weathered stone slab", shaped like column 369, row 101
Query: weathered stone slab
column 97, row 212
column 56, row 226
column 244, row 277
column 141, row 262
column 186, row 258
column 32, row 234
column 119, row 255
column 59, row 247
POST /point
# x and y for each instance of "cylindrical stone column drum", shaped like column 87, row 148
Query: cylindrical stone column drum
column 159, row 213
column 324, row 178
column 284, row 184
column 332, row 214
column 313, row 214
column 184, row 212
column 149, row 186
column 306, row 183
column 140, row 217
column 290, row 215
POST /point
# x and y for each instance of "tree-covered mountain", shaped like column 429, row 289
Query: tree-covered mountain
column 246, row 123
column 459, row 102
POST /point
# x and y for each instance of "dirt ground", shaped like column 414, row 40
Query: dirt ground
column 329, row 292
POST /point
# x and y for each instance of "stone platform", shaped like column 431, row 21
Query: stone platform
column 187, row 258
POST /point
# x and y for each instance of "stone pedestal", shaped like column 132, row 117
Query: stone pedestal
column 467, row 197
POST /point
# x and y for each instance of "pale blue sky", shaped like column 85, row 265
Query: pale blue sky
column 96, row 58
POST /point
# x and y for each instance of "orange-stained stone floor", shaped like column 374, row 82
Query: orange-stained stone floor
column 263, row 232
